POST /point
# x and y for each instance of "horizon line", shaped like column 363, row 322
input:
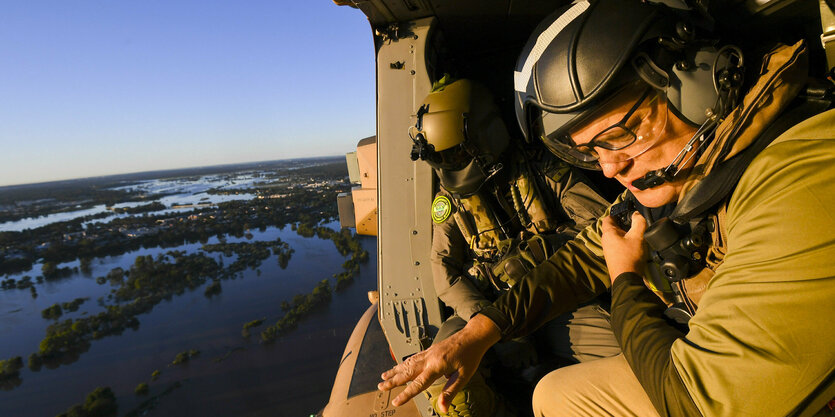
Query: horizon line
column 56, row 182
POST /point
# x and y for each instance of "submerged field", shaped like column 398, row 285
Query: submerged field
column 260, row 277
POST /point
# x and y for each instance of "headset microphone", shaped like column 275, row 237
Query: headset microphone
column 652, row 179
column 699, row 139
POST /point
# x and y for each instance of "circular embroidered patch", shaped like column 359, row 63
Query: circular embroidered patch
column 441, row 209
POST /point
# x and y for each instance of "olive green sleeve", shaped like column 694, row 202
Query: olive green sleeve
column 575, row 274
column 761, row 342
column 646, row 338
column 449, row 258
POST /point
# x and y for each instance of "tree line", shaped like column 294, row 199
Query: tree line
column 94, row 240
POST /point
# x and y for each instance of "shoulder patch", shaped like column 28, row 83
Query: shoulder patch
column 441, row 209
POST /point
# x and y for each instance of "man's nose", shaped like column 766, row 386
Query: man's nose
column 610, row 169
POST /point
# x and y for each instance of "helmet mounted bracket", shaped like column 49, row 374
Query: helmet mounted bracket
column 651, row 73
column 421, row 149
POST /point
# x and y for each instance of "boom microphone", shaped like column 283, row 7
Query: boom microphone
column 652, row 179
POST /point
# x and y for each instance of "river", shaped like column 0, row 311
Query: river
column 291, row 377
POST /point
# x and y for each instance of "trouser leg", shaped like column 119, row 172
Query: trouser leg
column 580, row 336
column 604, row 387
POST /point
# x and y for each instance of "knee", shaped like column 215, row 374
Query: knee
column 549, row 395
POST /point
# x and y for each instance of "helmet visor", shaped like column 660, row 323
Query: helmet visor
column 453, row 158
column 617, row 130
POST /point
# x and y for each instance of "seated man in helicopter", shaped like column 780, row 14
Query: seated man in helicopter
column 501, row 209
column 719, row 261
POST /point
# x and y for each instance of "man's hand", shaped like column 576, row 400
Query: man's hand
column 624, row 250
column 457, row 358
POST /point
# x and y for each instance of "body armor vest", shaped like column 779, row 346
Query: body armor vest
column 483, row 228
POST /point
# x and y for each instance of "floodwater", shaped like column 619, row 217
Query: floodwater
column 180, row 192
column 291, row 377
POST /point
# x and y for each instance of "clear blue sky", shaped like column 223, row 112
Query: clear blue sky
column 98, row 87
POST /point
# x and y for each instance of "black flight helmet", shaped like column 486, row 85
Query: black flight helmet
column 594, row 55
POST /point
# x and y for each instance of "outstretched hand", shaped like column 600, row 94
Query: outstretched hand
column 624, row 250
column 457, row 358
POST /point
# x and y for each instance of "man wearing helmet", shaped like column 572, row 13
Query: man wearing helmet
column 731, row 236
column 501, row 209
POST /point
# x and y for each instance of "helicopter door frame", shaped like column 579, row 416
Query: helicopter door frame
column 409, row 309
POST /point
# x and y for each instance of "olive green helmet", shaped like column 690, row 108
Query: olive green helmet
column 459, row 132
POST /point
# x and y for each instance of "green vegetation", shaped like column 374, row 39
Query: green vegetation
column 344, row 240
column 60, row 201
column 84, row 265
column 52, row 312
column 10, row 367
column 150, row 280
column 253, row 323
column 251, row 254
column 69, row 337
column 78, row 238
column 23, row 283
column 157, row 278
column 301, row 306
column 141, row 389
column 36, row 200
column 185, row 356
column 213, row 289
column 346, row 243
column 99, row 403
column 351, row 268
column 115, row 276
column 284, row 258
column 55, row 311
column 51, row 271
column 73, row 305
column 34, row 363
column 146, row 406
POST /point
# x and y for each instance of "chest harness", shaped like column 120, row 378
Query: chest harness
column 507, row 228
